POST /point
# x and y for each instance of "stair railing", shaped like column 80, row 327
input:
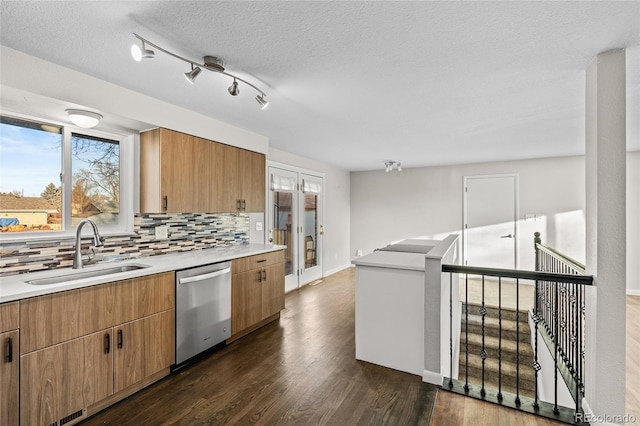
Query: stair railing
column 560, row 316
column 551, row 290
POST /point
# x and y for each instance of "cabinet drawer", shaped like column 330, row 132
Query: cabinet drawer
column 248, row 263
column 9, row 316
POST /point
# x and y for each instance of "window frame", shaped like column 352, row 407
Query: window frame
column 126, row 143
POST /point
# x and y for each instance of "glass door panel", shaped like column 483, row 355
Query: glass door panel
column 295, row 221
column 283, row 220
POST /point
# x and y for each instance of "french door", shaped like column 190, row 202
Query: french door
column 295, row 220
column 490, row 221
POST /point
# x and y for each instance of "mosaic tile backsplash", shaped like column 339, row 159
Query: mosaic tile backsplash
column 186, row 231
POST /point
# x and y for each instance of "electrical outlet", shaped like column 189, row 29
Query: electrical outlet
column 258, row 226
column 162, row 232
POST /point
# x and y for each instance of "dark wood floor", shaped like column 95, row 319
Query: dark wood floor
column 300, row 370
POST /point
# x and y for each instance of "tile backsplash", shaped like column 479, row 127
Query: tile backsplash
column 186, row 231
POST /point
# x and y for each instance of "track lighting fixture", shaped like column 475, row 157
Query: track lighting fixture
column 389, row 165
column 211, row 63
column 233, row 89
column 191, row 75
column 84, row 119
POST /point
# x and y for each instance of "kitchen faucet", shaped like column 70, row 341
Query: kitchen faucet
column 97, row 241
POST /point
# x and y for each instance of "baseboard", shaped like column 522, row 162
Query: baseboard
column 431, row 377
column 338, row 269
column 632, row 292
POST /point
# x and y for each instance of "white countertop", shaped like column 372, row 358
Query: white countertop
column 392, row 259
column 405, row 258
column 15, row 287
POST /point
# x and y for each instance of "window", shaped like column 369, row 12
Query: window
column 53, row 176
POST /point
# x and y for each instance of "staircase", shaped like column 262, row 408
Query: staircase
column 505, row 369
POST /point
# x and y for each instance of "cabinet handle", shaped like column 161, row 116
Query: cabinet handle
column 238, row 204
column 165, row 203
column 260, row 276
column 107, row 343
column 119, row 339
column 9, row 349
column 244, row 205
column 261, row 260
column 264, row 275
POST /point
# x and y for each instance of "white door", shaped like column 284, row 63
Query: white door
column 295, row 220
column 490, row 221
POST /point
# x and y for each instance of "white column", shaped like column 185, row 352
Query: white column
column 606, row 233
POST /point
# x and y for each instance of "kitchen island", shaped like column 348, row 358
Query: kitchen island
column 401, row 303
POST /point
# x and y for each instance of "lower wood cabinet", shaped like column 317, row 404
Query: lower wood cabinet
column 257, row 289
column 59, row 382
column 134, row 345
column 9, row 377
column 143, row 348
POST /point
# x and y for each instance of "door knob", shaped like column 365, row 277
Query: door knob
column 507, row 236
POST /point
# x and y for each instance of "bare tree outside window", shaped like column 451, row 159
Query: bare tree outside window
column 96, row 179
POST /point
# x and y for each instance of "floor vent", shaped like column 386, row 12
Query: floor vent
column 70, row 417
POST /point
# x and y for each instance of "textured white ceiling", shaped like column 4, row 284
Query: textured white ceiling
column 355, row 83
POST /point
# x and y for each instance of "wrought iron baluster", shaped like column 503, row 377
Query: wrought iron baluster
column 555, row 357
column 466, row 331
column 483, row 353
column 450, row 330
column 517, row 342
column 500, row 339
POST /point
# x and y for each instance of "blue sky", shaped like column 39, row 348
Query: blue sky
column 29, row 159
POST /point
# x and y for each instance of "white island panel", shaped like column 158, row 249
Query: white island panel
column 390, row 317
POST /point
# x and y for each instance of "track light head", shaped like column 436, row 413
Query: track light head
column 191, row 75
column 262, row 101
column 233, row 89
column 139, row 52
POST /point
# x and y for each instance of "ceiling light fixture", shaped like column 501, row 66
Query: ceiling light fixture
column 389, row 165
column 84, row 119
column 211, row 63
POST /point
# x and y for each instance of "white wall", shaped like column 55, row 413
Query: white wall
column 427, row 202
column 335, row 249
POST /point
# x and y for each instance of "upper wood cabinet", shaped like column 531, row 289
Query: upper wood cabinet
column 183, row 173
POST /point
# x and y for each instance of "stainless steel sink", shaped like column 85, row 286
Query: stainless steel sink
column 86, row 274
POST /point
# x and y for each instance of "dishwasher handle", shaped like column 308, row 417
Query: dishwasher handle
column 203, row 277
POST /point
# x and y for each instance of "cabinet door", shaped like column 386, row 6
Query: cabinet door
column 186, row 172
column 227, row 179
column 63, row 380
column 252, row 181
column 246, row 300
column 273, row 290
column 142, row 348
column 9, row 377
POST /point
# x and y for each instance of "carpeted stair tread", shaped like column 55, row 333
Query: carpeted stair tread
column 493, row 312
column 491, row 368
column 492, row 344
column 492, row 327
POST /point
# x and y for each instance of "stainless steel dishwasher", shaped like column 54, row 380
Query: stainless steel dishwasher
column 203, row 309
